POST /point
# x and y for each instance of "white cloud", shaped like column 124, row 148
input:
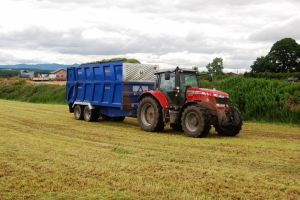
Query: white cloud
column 170, row 33
column 276, row 31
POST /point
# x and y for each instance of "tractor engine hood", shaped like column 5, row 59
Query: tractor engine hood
column 207, row 92
column 216, row 97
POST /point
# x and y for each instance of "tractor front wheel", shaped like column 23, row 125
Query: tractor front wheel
column 234, row 128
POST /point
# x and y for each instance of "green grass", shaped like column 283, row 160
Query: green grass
column 47, row 154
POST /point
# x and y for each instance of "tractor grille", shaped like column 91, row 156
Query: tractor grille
column 222, row 100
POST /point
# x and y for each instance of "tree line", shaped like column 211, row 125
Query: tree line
column 283, row 57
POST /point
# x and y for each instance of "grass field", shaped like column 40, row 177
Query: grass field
column 47, row 154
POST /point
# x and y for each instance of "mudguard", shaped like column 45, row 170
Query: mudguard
column 158, row 95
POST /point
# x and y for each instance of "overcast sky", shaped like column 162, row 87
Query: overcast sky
column 165, row 32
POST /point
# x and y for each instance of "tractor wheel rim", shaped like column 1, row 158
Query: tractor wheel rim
column 192, row 122
column 147, row 114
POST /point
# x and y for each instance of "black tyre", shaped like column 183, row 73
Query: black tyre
column 195, row 121
column 160, row 127
column 150, row 115
column 78, row 112
column 90, row 115
column 118, row 119
column 231, row 129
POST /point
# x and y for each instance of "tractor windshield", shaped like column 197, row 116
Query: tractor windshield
column 188, row 79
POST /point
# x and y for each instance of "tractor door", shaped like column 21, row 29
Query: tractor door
column 168, row 88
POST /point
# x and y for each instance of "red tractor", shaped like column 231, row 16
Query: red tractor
column 178, row 101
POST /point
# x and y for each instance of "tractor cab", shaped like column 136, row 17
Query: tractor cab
column 174, row 83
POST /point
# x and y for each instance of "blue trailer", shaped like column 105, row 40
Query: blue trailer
column 107, row 89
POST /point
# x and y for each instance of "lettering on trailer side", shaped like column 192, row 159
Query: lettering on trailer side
column 139, row 88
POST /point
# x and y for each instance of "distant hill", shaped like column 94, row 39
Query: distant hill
column 50, row 67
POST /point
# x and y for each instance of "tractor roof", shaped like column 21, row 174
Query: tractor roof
column 174, row 69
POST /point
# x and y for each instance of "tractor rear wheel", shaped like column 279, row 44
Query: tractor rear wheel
column 90, row 115
column 232, row 129
column 150, row 115
column 78, row 112
column 195, row 121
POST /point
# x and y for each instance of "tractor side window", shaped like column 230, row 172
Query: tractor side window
column 167, row 85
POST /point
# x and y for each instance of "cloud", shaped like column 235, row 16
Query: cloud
column 190, row 32
column 5, row 56
column 107, row 42
column 276, row 31
column 193, row 49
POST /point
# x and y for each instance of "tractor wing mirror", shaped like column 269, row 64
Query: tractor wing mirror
column 167, row 75
column 210, row 78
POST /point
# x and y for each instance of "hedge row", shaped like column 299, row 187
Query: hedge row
column 257, row 99
column 270, row 75
column 261, row 99
column 50, row 94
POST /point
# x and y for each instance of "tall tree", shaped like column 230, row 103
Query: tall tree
column 216, row 67
column 285, row 54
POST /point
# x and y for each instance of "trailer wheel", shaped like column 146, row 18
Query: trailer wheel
column 78, row 112
column 195, row 121
column 90, row 115
column 150, row 115
column 234, row 128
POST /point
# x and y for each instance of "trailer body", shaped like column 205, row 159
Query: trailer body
column 112, row 87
